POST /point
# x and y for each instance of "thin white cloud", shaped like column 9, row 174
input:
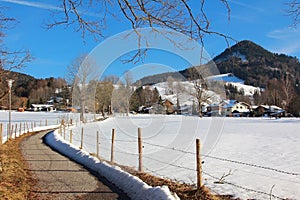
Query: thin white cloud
column 285, row 34
column 246, row 5
column 286, row 40
column 33, row 4
column 44, row 6
column 289, row 49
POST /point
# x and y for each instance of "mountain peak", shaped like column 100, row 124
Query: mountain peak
column 256, row 65
column 243, row 50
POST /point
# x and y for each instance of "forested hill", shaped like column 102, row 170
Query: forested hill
column 248, row 61
column 256, row 65
column 27, row 88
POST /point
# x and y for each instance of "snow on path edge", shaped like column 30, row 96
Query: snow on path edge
column 134, row 187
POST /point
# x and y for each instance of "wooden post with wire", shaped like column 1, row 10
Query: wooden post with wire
column 20, row 130
column 16, row 129
column 71, row 136
column 112, row 145
column 199, row 164
column 97, row 144
column 81, row 143
column 12, row 131
column 64, row 132
column 8, row 133
column 140, row 149
column 28, row 130
column 1, row 135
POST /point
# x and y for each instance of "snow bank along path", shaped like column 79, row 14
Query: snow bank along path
column 131, row 185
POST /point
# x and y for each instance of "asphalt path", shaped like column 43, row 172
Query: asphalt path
column 60, row 178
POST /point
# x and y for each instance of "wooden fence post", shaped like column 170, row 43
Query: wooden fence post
column 27, row 127
column 64, row 132
column 7, row 135
column 20, row 129
column 16, row 129
column 199, row 164
column 46, row 122
column 24, row 128
column 12, row 131
column 71, row 136
column 81, row 143
column 1, row 135
column 59, row 130
column 112, row 145
column 97, row 144
column 140, row 148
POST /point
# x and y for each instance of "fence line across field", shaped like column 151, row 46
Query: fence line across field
column 140, row 155
column 207, row 156
column 226, row 160
column 19, row 128
column 198, row 169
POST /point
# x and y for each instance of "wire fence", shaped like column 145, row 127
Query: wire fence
column 129, row 153
column 16, row 129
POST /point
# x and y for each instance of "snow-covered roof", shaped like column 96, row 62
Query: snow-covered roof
column 41, row 105
column 229, row 103
column 273, row 107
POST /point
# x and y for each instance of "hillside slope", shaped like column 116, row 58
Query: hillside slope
column 256, row 65
column 246, row 60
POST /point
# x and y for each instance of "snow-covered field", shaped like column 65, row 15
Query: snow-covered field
column 258, row 156
column 261, row 155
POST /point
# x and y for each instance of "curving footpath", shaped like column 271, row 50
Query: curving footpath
column 60, row 178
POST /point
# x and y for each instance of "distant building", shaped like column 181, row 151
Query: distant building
column 169, row 106
column 42, row 107
column 268, row 110
column 233, row 108
column 214, row 109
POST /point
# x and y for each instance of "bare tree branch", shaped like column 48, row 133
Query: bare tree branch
column 177, row 15
column 294, row 11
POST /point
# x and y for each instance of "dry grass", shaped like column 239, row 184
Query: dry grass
column 183, row 190
column 15, row 181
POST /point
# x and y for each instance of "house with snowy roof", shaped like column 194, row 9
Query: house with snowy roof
column 233, row 108
column 42, row 107
column 169, row 106
column 268, row 110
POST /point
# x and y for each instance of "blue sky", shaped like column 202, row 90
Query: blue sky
column 263, row 22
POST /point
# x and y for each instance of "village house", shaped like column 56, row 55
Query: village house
column 214, row 109
column 42, row 107
column 233, row 108
column 268, row 110
column 169, row 106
